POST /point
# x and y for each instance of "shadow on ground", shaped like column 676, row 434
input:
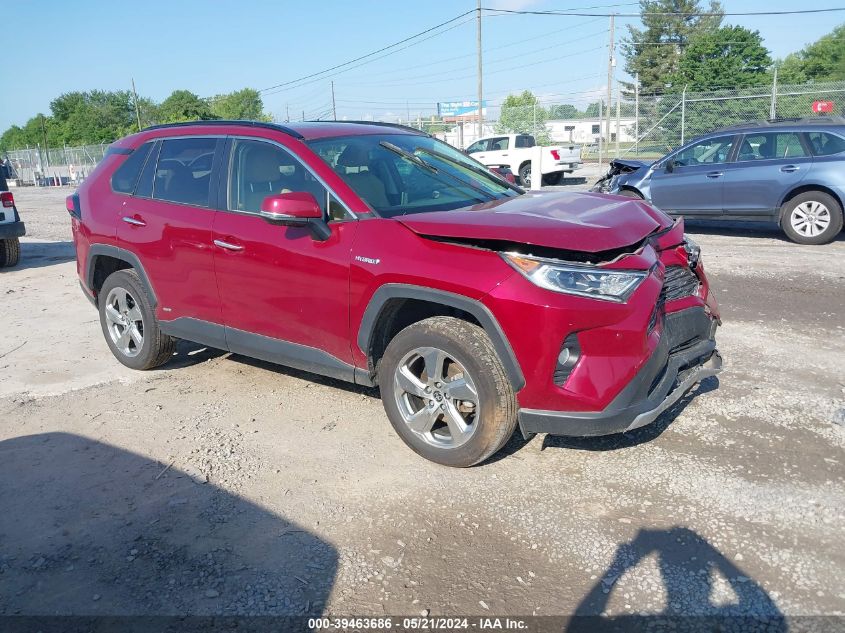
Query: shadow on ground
column 90, row 529
column 40, row 254
column 704, row 591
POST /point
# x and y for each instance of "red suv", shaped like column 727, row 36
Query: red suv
column 379, row 255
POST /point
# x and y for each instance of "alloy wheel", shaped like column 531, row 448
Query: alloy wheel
column 125, row 322
column 810, row 218
column 437, row 397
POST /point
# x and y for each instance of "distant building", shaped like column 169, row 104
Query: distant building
column 588, row 131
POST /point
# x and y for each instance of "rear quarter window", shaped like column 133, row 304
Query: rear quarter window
column 825, row 143
column 125, row 177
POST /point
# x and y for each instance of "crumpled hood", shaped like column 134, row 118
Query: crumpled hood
column 630, row 163
column 587, row 222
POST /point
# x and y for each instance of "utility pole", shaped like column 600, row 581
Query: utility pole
column 137, row 107
column 46, row 147
column 334, row 109
column 287, row 113
column 618, row 104
column 303, row 115
column 637, row 113
column 480, row 92
column 773, row 109
column 610, row 64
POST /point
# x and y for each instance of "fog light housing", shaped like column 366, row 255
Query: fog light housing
column 567, row 358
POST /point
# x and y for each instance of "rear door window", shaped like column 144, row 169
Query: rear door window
column 825, row 143
column 499, row 144
column 182, row 174
column 126, row 176
column 771, row 146
column 525, row 141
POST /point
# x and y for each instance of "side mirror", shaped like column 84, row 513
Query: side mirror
column 670, row 166
column 296, row 208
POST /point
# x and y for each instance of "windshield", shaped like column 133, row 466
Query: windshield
column 397, row 174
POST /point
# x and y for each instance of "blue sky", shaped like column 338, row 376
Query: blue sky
column 210, row 47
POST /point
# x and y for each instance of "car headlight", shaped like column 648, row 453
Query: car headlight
column 693, row 251
column 584, row 281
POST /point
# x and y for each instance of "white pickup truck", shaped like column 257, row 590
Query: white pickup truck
column 514, row 151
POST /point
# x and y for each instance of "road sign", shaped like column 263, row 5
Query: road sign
column 822, row 107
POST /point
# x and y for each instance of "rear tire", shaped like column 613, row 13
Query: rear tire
column 812, row 217
column 10, row 252
column 470, row 415
column 129, row 323
column 552, row 179
column 525, row 175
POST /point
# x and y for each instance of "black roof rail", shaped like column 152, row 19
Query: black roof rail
column 783, row 122
column 380, row 123
column 270, row 126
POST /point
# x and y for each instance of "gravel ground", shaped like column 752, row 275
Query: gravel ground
column 223, row 485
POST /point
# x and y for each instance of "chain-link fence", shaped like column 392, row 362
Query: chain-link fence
column 649, row 126
column 644, row 126
column 56, row 166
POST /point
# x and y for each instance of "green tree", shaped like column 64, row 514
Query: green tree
column 655, row 50
column 184, row 105
column 96, row 116
column 823, row 60
column 523, row 114
column 727, row 57
column 564, row 111
column 243, row 105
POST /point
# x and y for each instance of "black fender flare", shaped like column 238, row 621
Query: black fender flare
column 118, row 253
column 477, row 309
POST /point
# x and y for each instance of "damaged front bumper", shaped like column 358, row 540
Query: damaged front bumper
column 685, row 355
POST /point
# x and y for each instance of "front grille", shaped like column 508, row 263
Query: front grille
column 680, row 282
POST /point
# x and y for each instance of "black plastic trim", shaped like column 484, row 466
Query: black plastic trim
column 196, row 330
column 9, row 230
column 294, row 355
column 118, row 253
column 650, row 391
column 216, row 122
column 473, row 307
column 119, row 150
column 398, row 126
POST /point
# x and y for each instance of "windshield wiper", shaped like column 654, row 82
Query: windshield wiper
column 477, row 170
column 409, row 156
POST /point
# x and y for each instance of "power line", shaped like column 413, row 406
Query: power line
column 369, row 61
column 663, row 13
column 376, row 52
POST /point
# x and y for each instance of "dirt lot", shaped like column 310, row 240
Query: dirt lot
column 221, row 485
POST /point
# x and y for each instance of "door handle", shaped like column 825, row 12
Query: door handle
column 789, row 168
column 228, row 246
column 715, row 174
column 504, row 154
column 133, row 221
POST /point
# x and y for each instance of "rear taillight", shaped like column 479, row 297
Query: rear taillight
column 72, row 205
column 509, row 177
column 8, row 199
column 555, row 154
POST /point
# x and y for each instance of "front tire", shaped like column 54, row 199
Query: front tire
column 812, row 217
column 10, row 252
column 129, row 323
column 446, row 392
